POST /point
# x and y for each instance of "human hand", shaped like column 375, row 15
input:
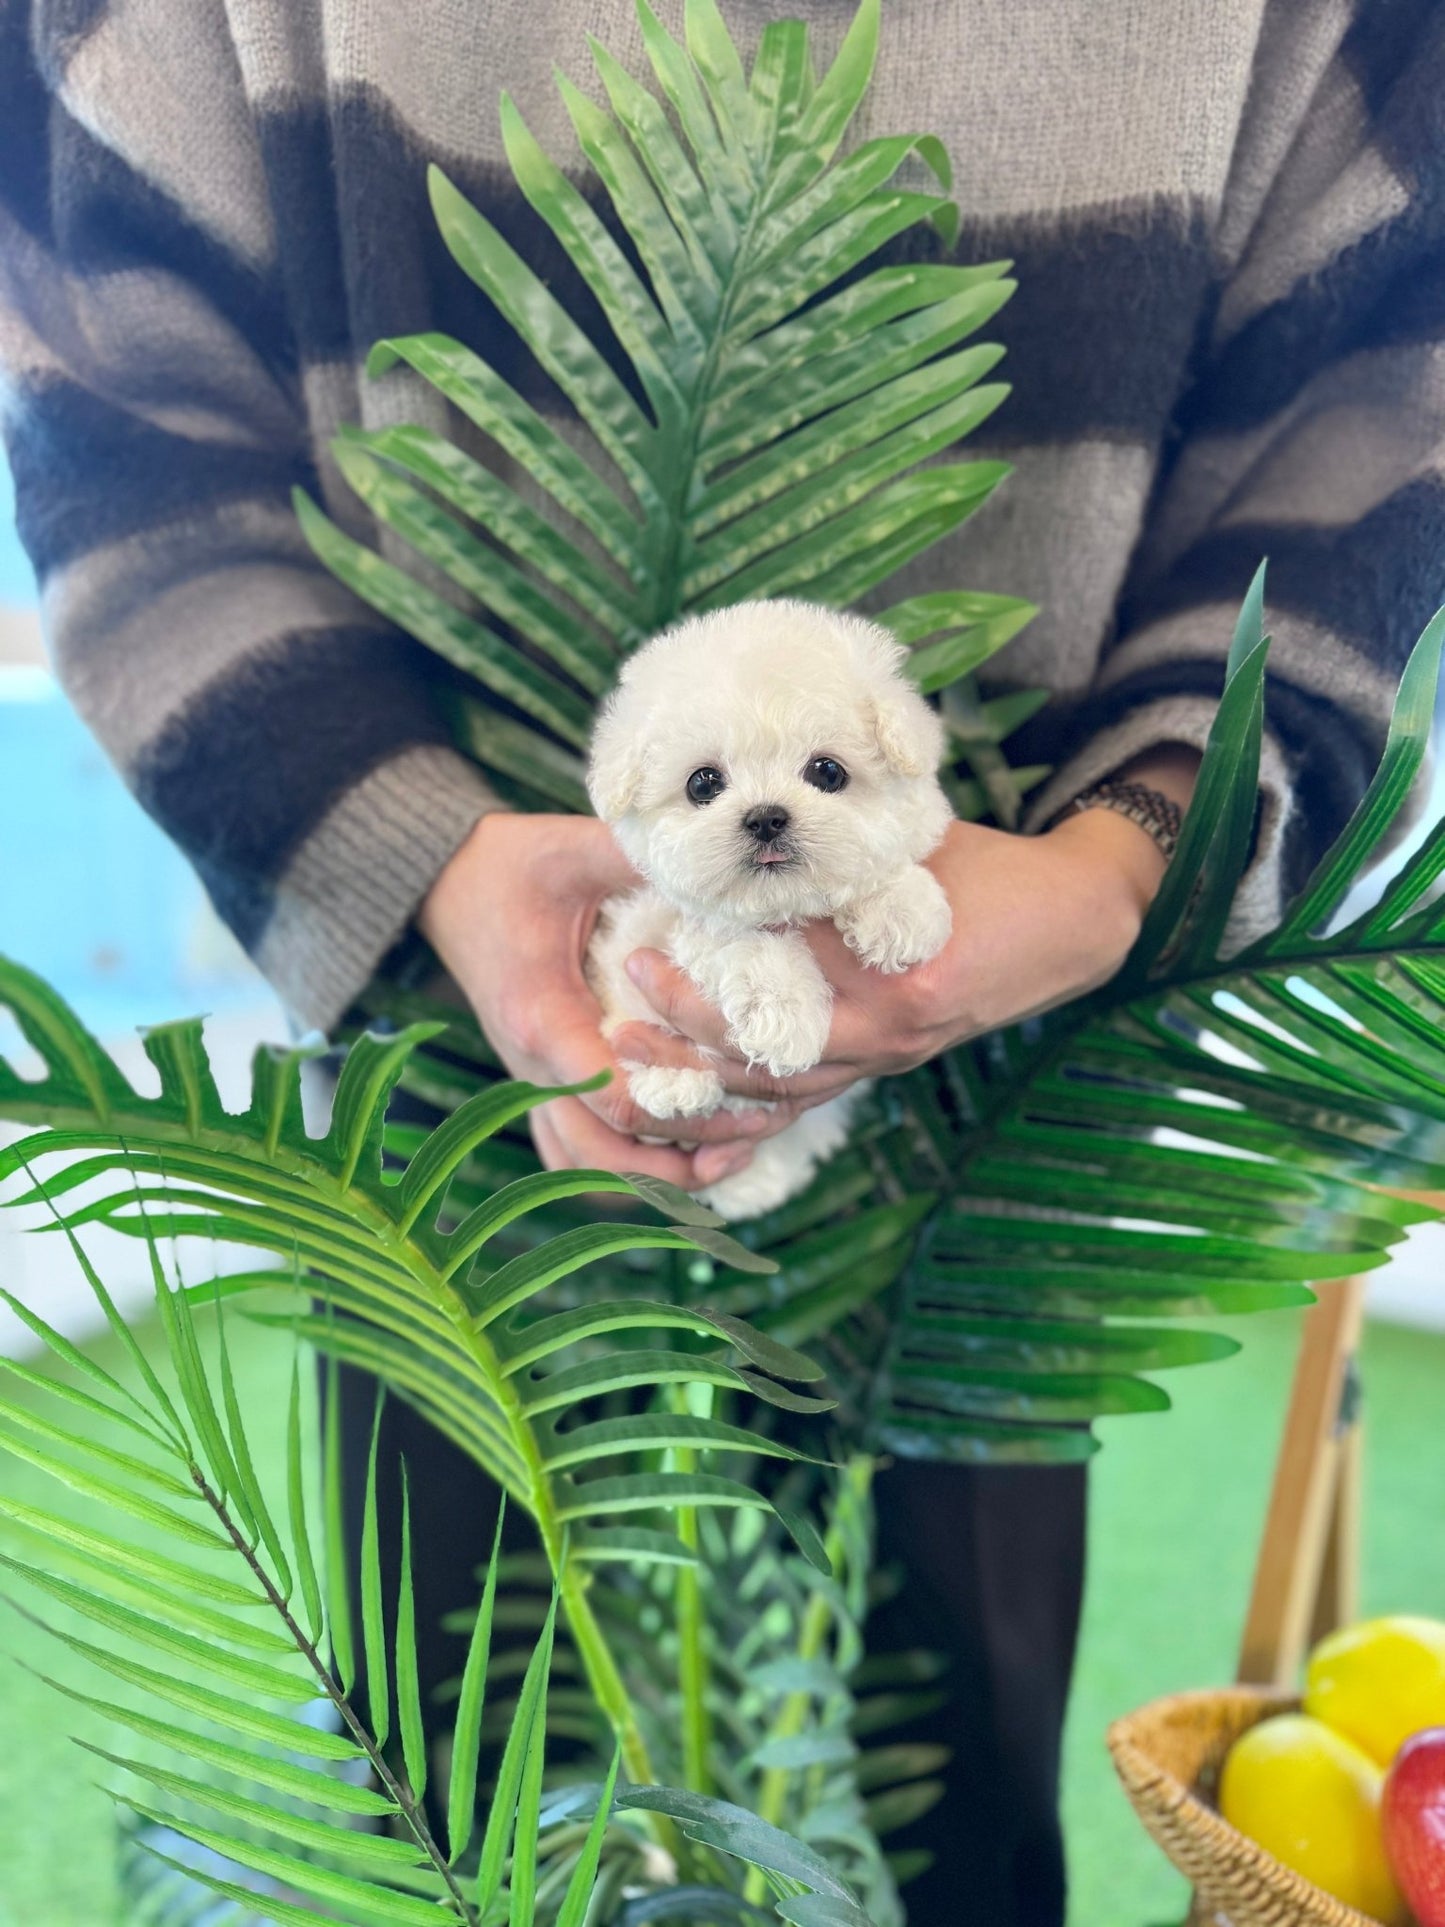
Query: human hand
column 510, row 917
column 1037, row 921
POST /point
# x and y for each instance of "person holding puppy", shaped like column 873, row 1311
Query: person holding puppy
column 1227, row 233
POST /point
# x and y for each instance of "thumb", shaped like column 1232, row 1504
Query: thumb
column 608, row 867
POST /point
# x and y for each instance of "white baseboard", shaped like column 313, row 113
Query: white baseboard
column 38, row 1268
column 20, row 637
column 1410, row 1290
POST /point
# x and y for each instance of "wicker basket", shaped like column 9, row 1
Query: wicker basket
column 1168, row 1755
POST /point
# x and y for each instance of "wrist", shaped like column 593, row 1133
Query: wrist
column 1122, row 855
column 1129, row 825
column 454, row 888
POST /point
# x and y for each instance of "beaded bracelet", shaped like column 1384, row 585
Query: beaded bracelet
column 1156, row 815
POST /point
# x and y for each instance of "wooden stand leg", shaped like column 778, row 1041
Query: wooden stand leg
column 1305, row 1582
column 1338, row 1603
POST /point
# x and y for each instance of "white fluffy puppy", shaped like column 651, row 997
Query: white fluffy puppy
column 764, row 766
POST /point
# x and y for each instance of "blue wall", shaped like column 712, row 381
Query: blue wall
column 92, row 895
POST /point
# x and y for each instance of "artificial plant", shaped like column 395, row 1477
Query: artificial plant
column 764, row 417
column 1241, row 1112
column 1210, row 1131
column 254, row 1765
column 756, row 421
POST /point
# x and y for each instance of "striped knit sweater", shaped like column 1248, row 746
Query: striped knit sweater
column 1227, row 222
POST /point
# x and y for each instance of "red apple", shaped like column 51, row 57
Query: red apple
column 1413, row 1813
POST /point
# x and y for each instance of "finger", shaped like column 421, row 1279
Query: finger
column 646, row 1044
column 871, row 1012
column 678, row 1001
column 639, row 1043
column 569, row 1137
column 800, row 1092
column 714, row 1162
column 852, row 1039
column 550, row 1147
column 625, row 1115
column 621, row 1112
column 577, row 1051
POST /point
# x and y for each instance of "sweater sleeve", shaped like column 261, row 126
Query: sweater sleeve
column 1313, row 434
column 285, row 738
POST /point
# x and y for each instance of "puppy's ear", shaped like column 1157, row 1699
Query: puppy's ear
column 908, row 731
column 614, row 775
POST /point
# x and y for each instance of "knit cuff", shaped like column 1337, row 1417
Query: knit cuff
column 357, row 881
column 1259, row 901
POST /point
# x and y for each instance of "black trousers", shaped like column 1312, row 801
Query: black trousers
column 994, row 1558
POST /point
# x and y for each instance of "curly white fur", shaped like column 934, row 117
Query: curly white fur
column 757, row 693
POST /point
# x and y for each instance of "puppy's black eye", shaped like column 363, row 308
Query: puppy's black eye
column 826, row 773
column 705, row 784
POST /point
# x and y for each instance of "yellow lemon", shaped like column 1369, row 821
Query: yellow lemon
column 1379, row 1682
column 1312, row 1799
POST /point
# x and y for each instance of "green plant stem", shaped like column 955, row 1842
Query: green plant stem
column 693, row 1670
column 291, row 1171
column 667, row 603
column 603, row 1675
column 692, row 1660
column 817, row 1619
column 410, row 1809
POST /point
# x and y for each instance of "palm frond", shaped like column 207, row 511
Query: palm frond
column 257, row 1778
column 1211, row 1132
column 415, row 1292
column 265, row 1782
column 799, row 1726
column 764, row 419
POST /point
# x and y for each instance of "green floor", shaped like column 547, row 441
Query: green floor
column 57, row 1840
column 1177, row 1505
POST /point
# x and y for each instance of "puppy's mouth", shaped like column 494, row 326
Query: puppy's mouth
column 769, row 856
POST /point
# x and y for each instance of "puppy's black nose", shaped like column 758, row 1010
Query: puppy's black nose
column 767, row 822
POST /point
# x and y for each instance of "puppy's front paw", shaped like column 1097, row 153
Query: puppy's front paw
column 783, row 1035
column 901, row 926
column 663, row 1091
column 776, row 1000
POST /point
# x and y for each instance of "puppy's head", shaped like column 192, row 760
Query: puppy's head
column 769, row 762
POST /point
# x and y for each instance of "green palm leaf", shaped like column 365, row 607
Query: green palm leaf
column 764, row 421
column 255, row 1791
column 294, row 1824
column 414, row 1291
column 1210, row 1131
